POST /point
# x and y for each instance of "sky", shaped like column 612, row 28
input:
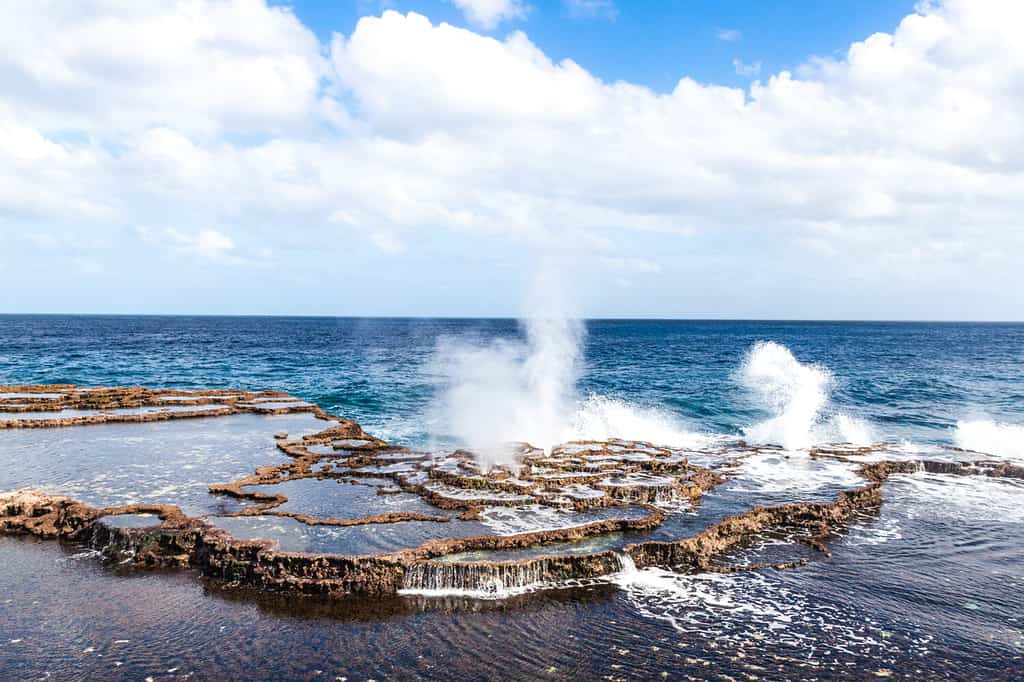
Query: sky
column 799, row 160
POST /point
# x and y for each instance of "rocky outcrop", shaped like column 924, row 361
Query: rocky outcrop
column 573, row 478
column 879, row 471
column 183, row 541
column 701, row 551
column 114, row 404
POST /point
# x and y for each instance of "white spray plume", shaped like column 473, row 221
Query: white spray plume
column 797, row 394
column 508, row 391
column 502, row 392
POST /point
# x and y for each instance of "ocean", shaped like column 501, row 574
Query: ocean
column 906, row 380
column 929, row 586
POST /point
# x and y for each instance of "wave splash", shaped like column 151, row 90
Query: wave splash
column 602, row 418
column 506, row 391
column 798, row 396
column 503, row 392
column 991, row 438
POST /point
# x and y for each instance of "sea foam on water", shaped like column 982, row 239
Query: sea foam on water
column 602, row 418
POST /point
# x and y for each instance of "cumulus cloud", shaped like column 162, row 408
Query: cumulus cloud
column 898, row 167
column 487, row 14
column 199, row 67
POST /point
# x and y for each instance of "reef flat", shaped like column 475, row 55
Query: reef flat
column 329, row 509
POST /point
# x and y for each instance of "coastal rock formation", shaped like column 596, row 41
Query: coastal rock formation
column 701, row 551
column 576, row 491
column 56, row 405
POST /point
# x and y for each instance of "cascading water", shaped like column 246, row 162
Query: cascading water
column 627, row 567
column 473, row 579
column 484, row 579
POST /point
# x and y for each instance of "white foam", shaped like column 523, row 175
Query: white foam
column 665, row 595
column 738, row 609
column 876, row 532
column 529, row 518
column 991, row 438
column 600, row 418
column 959, row 498
column 775, row 472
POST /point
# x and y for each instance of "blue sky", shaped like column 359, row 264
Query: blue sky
column 682, row 159
column 654, row 43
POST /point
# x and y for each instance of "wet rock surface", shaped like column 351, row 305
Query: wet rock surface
column 341, row 477
column 57, row 405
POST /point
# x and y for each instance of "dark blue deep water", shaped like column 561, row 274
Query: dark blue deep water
column 908, row 380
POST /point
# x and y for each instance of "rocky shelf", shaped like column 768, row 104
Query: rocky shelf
column 443, row 507
column 57, row 405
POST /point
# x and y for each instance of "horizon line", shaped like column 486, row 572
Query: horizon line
column 516, row 318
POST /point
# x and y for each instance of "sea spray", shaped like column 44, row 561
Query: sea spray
column 991, row 438
column 495, row 393
column 848, row 429
column 794, row 392
column 601, row 418
column 505, row 391
column 797, row 395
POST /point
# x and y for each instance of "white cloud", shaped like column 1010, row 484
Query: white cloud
column 487, row 14
column 751, row 70
column 603, row 9
column 199, row 67
column 396, row 64
column 729, row 35
column 895, row 172
column 205, row 243
column 40, row 178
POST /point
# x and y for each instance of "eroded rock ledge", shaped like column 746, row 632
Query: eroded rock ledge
column 31, row 406
column 574, row 478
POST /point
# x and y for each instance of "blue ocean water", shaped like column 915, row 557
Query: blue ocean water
column 906, row 380
column 928, row 586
